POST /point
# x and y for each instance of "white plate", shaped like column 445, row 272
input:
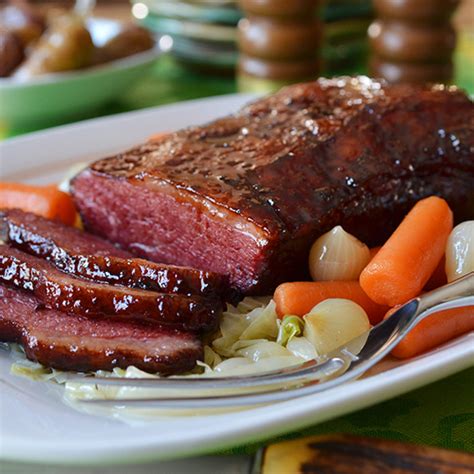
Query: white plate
column 36, row 426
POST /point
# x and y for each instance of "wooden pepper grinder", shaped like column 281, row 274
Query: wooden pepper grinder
column 279, row 43
column 413, row 40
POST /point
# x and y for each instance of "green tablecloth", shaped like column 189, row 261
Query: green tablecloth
column 441, row 414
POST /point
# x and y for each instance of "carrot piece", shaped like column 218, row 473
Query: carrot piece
column 46, row 201
column 299, row 298
column 434, row 331
column 157, row 137
column 405, row 263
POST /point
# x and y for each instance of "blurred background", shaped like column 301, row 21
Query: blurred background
column 65, row 61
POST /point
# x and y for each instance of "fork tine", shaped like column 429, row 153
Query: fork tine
column 307, row 371
column 223, row 401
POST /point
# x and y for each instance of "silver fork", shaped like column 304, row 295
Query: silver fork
column 304, row 379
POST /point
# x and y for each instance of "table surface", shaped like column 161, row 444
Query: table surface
column 441, row 414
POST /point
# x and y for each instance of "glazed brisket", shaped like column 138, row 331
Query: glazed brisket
column 73, row 342
column 246, row 195
column 60, row 291
column 84, row 255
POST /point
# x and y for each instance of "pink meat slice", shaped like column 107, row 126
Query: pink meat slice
column 63, row 292
column 85, row 255
column 73, row 342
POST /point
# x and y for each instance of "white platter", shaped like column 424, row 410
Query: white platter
column 36, row 426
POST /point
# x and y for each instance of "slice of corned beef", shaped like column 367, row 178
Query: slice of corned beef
column 85, row 255
column 63, row 292
column 72, row 342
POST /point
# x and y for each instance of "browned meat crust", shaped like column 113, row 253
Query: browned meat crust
column 87, row 256
column 72, row 342
column 247, row 194
column 57, row 290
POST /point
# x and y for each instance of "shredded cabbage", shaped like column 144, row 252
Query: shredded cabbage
column 301, row 347
column 250, row 339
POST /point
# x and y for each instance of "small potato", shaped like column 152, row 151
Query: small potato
column 132, row 39
column 67, row 45
column 23, row 20
column 11, row 53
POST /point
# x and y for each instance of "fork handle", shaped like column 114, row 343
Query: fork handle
column 455, row 295
column 387, row 334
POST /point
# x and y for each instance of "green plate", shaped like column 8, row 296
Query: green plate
column 191, row 29
column 204, row 53
column 333, row 11
column 224, row 14
column 54, row 98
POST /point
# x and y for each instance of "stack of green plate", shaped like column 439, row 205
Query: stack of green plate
column 346, row 46
column 204, row 31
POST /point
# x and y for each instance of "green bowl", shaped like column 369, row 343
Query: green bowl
column 58, row 97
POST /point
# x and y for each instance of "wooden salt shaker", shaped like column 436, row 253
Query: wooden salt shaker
column 413, row 40
column 279, row 43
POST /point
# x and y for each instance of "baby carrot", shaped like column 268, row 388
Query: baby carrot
column 401, row 268
column 46, row 201
column 299, row 298
column 434, row 331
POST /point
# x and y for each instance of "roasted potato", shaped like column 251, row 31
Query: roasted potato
column 66, row 45
column 12, row 52
column 132, row 39
column 23, row 20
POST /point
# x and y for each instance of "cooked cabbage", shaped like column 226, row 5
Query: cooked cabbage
column 250, row 339
column 290, row 327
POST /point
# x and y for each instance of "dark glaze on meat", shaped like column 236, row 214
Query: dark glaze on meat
column 62, row 292
column 270, row 179
column 87, row 256
column 72, row 342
